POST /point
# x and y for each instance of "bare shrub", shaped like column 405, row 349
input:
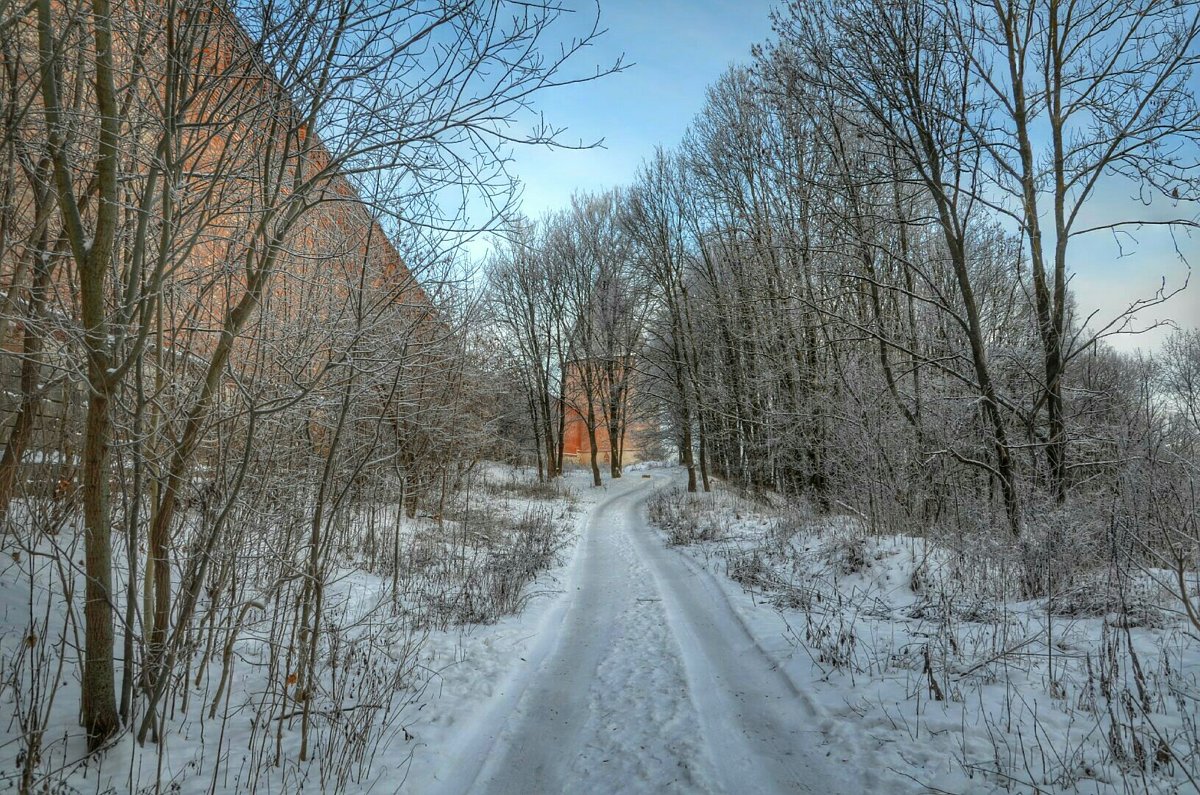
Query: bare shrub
column 749, row 569
column 528, row 489
column 848, row 553
column 686, row 518
column 457, row 575
column 531, row 546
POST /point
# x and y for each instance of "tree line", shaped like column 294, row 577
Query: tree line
column 850, row 282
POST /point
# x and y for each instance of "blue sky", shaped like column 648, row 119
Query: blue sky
column 677, row 48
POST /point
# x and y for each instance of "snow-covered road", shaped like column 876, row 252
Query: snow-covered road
column 643, row 679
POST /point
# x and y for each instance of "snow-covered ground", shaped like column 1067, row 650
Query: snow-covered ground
column 638, row 678
column 402, row 674
column 907, row 654
column 771, row 653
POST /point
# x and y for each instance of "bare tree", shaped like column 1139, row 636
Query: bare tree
column 528, row 303
column 611, row 334
column 229, row 132
column 1080, row 97
column 896, row 66
column 653, row 217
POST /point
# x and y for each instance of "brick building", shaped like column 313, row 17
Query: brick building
column 612, row 403
column 223, row 180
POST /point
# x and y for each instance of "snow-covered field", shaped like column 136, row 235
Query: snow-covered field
column 919, row 656
column 401, row 673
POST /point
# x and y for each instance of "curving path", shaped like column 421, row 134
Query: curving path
column 643, row 679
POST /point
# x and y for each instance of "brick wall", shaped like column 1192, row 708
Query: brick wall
column 238, row 122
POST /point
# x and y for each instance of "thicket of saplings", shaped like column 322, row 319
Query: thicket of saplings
column 306, row 582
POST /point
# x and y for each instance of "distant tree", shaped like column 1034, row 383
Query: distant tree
column 653, row 218
column 528, row 304
column 611, row 337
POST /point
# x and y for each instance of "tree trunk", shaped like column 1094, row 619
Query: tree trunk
column 31, row 393
column 560, row 441
column 591, row 428
column 553, row 461
column 538, row 450
column 686, row 444
column 614, row 450
column 99, row 695
column 991, row 404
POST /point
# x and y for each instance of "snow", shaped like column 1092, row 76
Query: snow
column 906, row 651
column 779, row 655
column 588, row 704
column 413, row 690
column 640, row 678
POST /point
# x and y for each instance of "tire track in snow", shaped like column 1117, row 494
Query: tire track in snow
column 765, row 731
column 642, row 733
column 522, row 739
column 644, row 680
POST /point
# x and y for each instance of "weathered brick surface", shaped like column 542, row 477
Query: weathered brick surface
column 577, row 446
column 240, row 141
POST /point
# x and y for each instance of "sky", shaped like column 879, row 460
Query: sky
column 674, row 49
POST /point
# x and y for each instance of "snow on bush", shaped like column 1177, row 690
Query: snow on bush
column 395, row 594
column 926, row 646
